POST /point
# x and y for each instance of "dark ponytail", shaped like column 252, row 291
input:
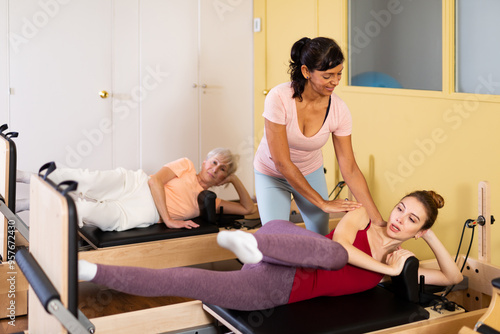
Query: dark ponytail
column 320, row 54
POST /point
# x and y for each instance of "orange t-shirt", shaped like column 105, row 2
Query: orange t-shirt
column 182, row 192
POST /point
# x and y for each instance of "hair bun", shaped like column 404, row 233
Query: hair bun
column 438, row 199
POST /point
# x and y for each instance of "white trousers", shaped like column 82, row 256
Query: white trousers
column 113, row 200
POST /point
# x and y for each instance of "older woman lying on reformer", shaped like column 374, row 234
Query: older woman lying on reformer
column 120, row 199
column 285, row 263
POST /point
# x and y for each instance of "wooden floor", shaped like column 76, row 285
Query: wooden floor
column 21, row 324
column 96, row 301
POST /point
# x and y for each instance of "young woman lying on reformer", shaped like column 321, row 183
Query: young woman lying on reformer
column 120, row 199
column 285, row 263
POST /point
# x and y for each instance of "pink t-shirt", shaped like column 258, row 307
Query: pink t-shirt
column 182, row 192
column 305, row 152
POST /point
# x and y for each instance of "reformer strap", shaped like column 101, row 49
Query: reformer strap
column 66, row 186
column 50, row 167
column 11, row 135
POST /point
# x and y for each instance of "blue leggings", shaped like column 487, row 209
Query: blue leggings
column 274, row 200
column 266, row 284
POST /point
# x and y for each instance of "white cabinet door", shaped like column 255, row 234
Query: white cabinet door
column 203, row 52
column 226, row 68
column 178, row 73
column 4, row 63
column 169, row 109
column 60, row 56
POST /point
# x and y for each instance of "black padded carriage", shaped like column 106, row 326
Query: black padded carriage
column 358, row 313
column 208, row 220
column 371, row 310
column 100, row 239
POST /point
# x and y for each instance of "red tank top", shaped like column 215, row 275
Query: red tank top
column 309, row 283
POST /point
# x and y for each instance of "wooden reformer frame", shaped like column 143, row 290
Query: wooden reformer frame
column 49, row 246
column 14, row 290
column 480, row 273
column 183, row 251
column 168, row 253
column 176, row 252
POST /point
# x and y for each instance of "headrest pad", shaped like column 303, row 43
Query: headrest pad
column 406, row 284
column 206, row 203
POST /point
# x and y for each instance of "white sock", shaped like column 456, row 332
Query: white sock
column 242, row 244
column 22, row 176
column 22, row 204
column 86, row 270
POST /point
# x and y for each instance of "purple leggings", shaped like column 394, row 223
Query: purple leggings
column 266, row 284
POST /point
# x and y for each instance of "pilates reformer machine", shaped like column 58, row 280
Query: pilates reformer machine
column 53, row 246
column 444, row 311
column 8, row 163
column 140, row 246
column 13, row 233
column 146, row 247
column 52, row 262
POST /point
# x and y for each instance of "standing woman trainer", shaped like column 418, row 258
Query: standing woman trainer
column 299, row 117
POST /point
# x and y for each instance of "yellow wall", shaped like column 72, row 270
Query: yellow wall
column 403, row 139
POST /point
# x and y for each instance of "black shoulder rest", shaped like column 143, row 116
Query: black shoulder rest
column 405, row 285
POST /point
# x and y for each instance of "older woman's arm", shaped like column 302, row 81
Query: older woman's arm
column 157, row 187
column 245, row 205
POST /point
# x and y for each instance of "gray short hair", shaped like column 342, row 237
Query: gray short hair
column 226, row 157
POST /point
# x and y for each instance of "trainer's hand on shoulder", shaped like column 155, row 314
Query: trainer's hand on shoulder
column 339, row 205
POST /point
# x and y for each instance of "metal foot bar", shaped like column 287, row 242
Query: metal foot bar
column 11, row 216
column 48, row 295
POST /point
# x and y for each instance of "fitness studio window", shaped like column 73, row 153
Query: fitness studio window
column 396, row 44
column 477, row 46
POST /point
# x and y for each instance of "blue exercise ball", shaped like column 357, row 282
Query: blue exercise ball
column 375, row 79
